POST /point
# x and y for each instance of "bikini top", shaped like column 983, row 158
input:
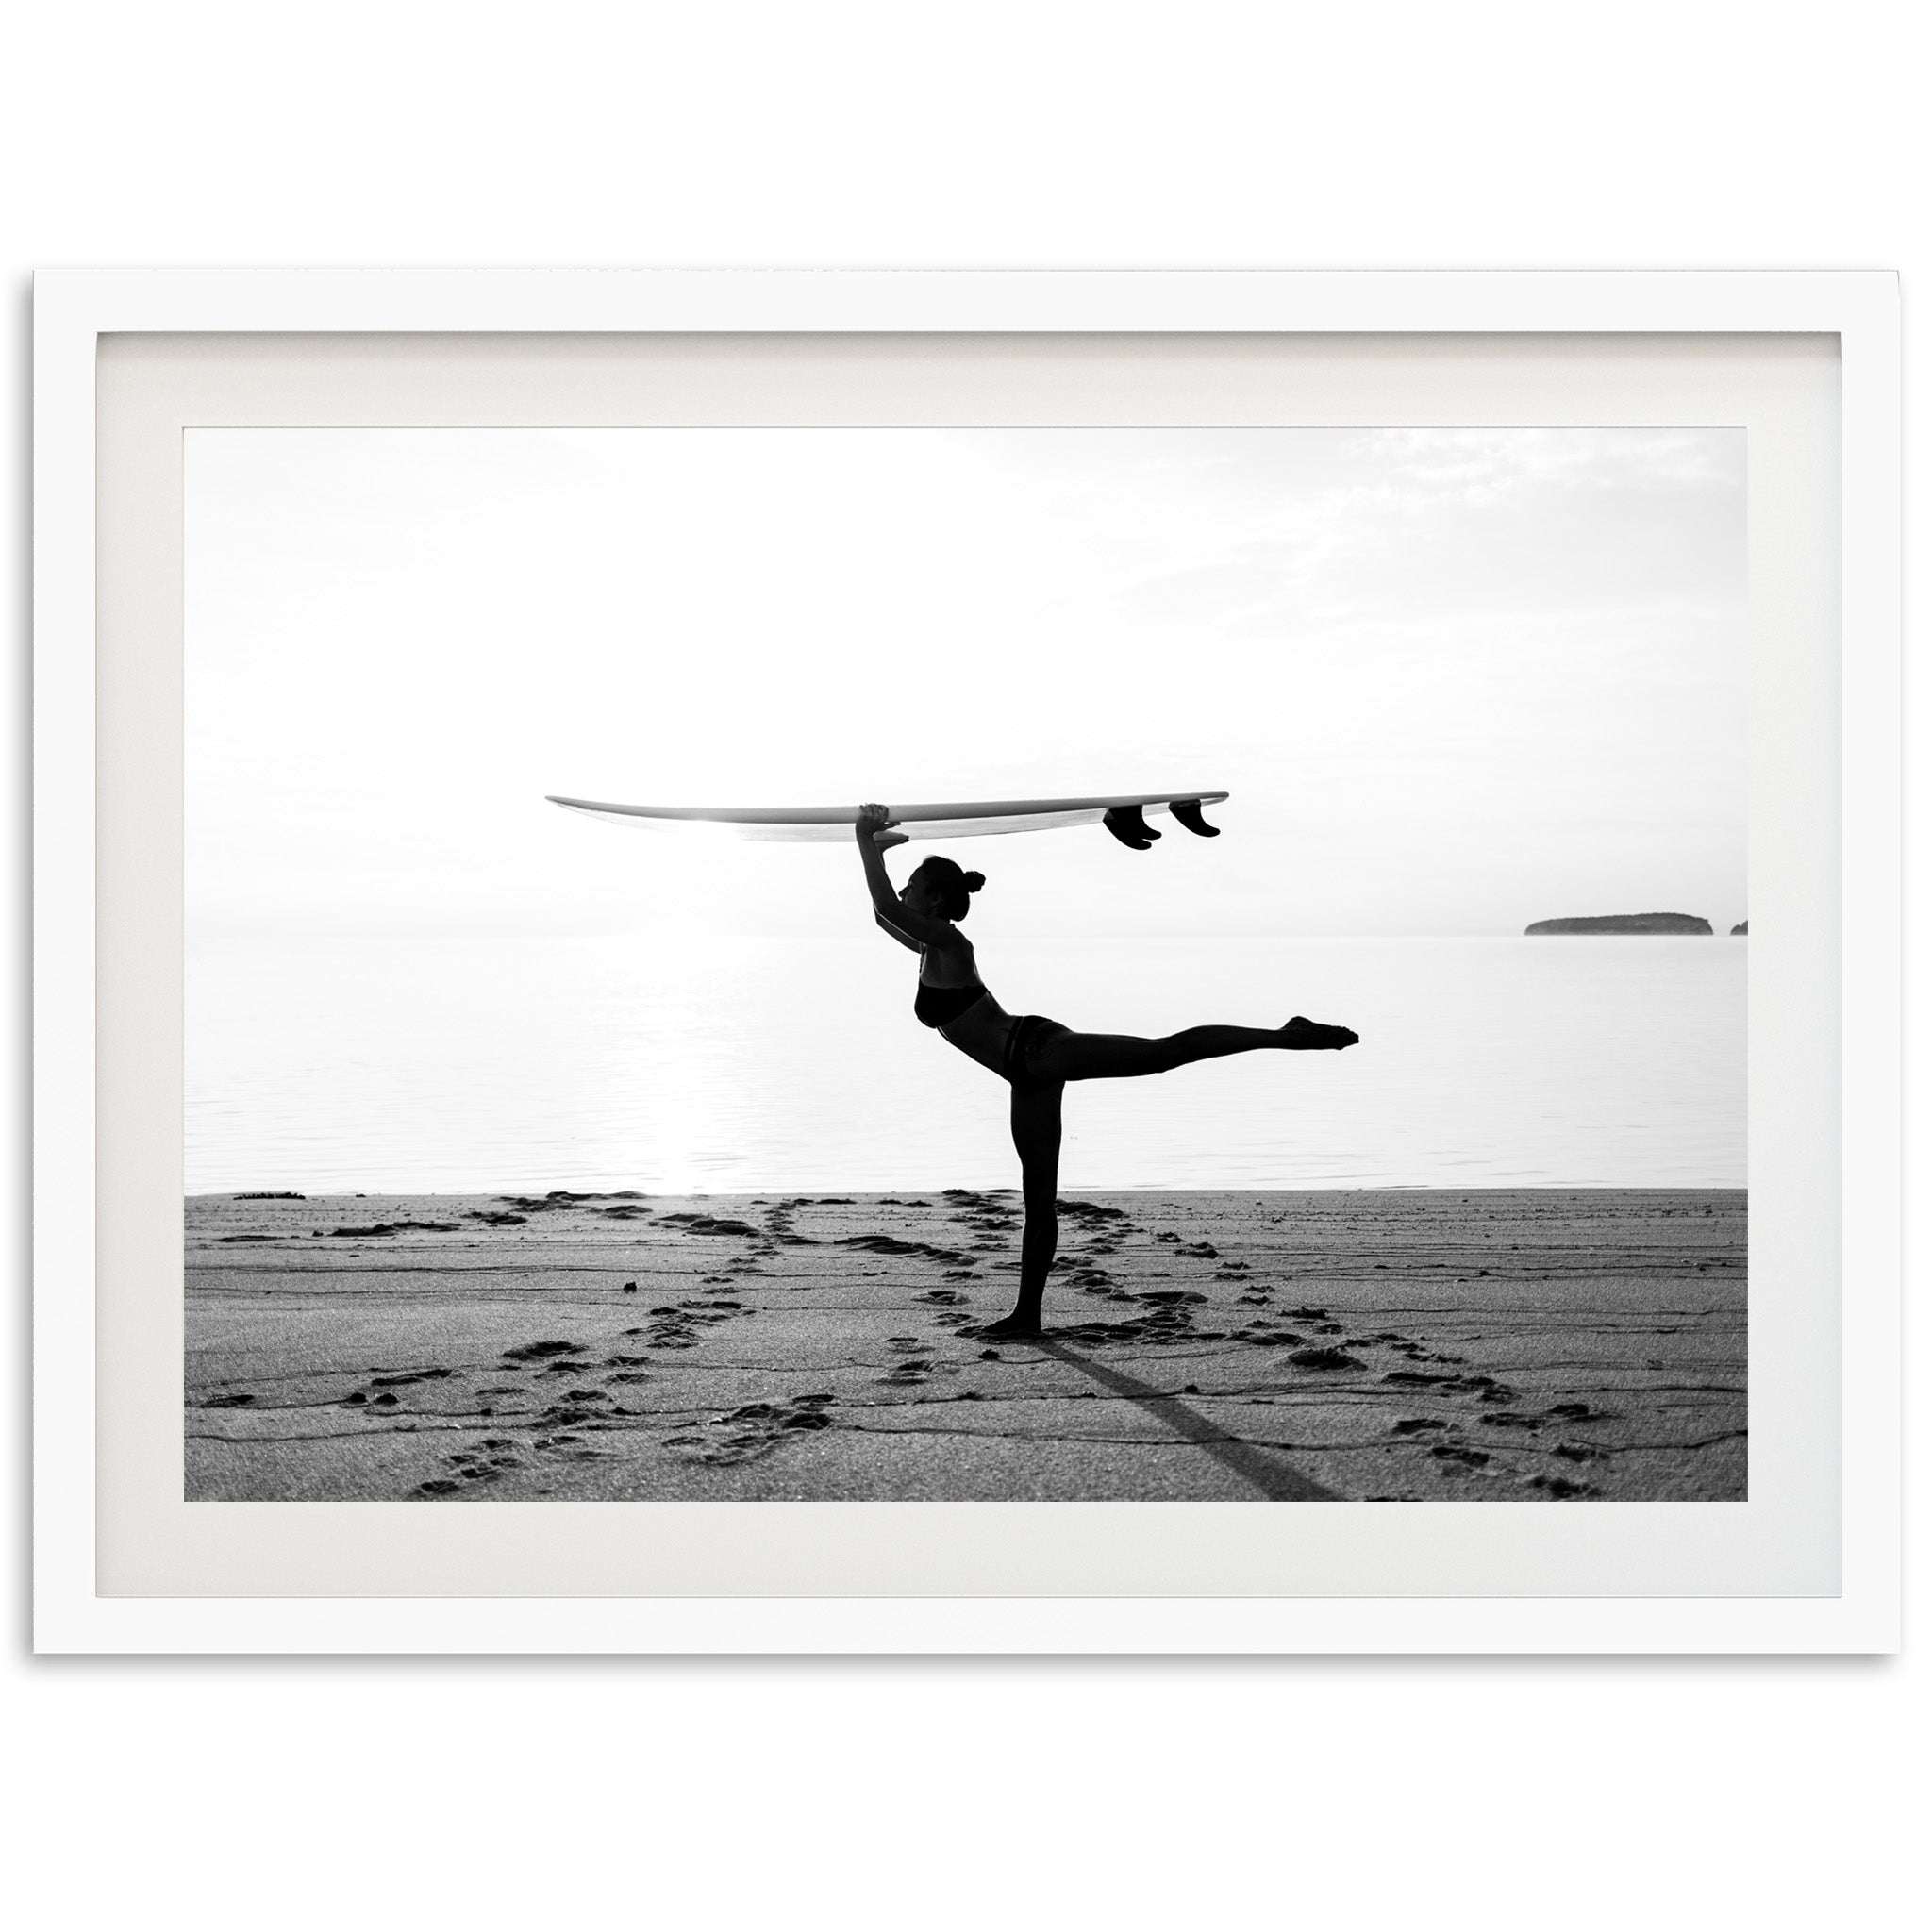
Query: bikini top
column 940, row 1006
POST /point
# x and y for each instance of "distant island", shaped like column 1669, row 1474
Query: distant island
column 1623, row 922
column 1741, row 930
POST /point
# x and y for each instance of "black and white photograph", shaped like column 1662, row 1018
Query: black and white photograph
column 965, row 964
column 846, row 819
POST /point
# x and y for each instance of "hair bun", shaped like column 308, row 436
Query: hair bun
column 973, row 880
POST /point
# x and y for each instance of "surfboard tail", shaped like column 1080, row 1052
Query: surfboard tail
column 1129, row 825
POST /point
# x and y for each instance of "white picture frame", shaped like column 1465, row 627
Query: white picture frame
column 1470, row 326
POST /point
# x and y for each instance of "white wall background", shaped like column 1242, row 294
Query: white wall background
column 1664, row 133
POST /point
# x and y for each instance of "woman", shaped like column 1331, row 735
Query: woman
column 1034, row 1055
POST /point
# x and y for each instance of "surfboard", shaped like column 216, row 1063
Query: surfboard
column 1124, row 815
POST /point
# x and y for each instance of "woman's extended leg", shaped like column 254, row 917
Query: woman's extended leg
column 1066, row 1055
column 1037, row 1138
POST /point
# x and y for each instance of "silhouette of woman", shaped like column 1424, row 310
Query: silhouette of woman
column 1036, row 1057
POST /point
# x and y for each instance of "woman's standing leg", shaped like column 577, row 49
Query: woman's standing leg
column 1037, row 1139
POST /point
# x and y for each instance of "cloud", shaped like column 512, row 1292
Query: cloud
column 1445, row 522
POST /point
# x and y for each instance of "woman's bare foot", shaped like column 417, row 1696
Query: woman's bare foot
column 1014, row 1328
column 1309, row 1036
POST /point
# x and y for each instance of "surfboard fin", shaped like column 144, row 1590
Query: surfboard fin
column 1125, row 823
column 1188, row 810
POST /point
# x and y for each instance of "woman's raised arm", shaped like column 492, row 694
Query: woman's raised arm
column 873, row 833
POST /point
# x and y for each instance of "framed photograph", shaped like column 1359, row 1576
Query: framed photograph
column 868, row 962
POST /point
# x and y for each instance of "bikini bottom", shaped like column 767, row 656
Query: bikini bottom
column 1024, row 1038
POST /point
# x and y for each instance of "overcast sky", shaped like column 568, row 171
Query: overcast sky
column 1454, row 680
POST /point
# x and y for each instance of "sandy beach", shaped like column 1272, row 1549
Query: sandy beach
column 1414, row 1344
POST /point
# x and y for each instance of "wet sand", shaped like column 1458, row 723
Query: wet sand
column 1414, row 1344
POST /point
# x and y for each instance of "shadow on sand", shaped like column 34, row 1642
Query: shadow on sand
column 1262, row 1468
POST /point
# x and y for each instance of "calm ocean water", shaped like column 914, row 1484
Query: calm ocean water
column 391, row 1066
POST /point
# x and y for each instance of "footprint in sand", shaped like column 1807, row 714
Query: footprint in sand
column 391, row 1227
column 892, row 1244
column 750, row 1433
column 1170, row 1320
column 1324, row 1358
column 542, row 1351
column 670, row 1327
column 1262, row 1333
column 706, row 1224
column 1089, row 1212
